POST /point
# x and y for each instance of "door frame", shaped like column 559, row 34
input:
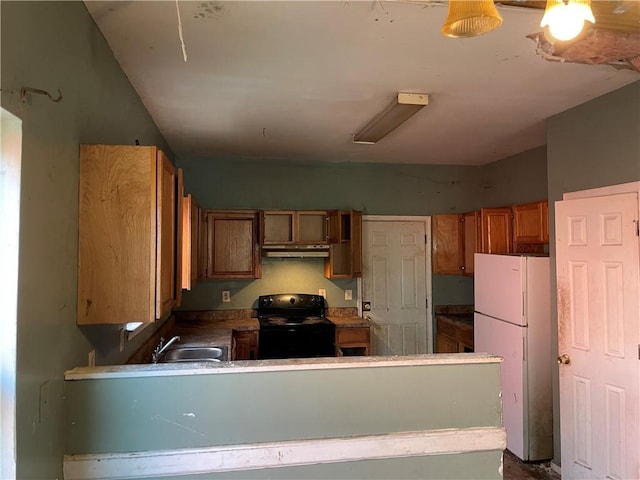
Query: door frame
column 427, row 258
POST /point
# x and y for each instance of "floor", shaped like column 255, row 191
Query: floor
column 515, row 469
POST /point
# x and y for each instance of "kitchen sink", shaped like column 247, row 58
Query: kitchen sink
column 194, row 354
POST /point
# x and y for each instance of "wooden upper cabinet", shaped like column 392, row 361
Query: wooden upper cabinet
column 190, row 241
column 447, row 242
column 472, row 240
column 127, row 235
column 232, row 244
column 293, row 226
column 179, row 218
column 496, row 230
column 345, row 240
column 531, row 223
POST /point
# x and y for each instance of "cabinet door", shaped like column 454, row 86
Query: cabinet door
column 496, row 230
column 179, row 218
column 446, row 344
column 470, row 234
column 190, row 220
column 447, row 244
column 166, row 239
column 356, row 244
column 529, row 223
column 311, row 227
column 246, row 345
column 277, row 226
column 232, row 250
column 203, row 242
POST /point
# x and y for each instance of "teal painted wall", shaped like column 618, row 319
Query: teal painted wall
column 375, row 189
column 56, row 45
column 595, row 144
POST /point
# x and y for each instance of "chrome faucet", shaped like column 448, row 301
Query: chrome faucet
column 162, row 347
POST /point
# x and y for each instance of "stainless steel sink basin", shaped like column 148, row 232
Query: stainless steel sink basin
column 194, row 354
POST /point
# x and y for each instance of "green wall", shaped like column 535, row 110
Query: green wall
column 375, row 189
column 595, row 144
column 56, row 45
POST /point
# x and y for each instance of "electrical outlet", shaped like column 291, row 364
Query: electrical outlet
column 348, row 294
column 226, row 296
column 123, row 336
column 322, row 292
column 92, row 358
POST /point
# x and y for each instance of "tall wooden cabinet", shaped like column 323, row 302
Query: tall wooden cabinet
column 345, row 240
column 127, row 235
column 232, row 244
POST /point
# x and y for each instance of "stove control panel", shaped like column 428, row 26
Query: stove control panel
column 290, row 300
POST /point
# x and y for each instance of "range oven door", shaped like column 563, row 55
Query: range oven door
column 296, row 342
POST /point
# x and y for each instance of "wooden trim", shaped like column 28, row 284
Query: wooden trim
column 630, row 187
column 254, row 456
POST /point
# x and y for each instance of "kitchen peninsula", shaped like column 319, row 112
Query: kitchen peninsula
column 296, row 418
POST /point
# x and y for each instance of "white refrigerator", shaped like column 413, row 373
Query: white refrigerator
column 512, row 319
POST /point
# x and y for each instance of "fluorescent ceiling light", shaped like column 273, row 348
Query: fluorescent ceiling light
column 403, row 107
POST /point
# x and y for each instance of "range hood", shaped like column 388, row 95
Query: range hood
column 295, row 250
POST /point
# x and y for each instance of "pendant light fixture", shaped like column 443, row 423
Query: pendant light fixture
column 565, row 18
column 470, row 18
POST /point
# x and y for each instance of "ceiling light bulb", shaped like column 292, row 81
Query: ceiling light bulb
column 566, row 18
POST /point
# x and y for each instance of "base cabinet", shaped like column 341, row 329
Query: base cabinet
column 352, row 341
column 244, row 345
column 451, row 337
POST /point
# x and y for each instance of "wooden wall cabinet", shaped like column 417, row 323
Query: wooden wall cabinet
column 293, row 226
column 531, row 223
column 453, row 338
column 448, row 244
column 495, row 224
column 190, row 242
column 232, row 244
column 127, row 235
column 345, row 239
column 352, row 341
column 244, row 345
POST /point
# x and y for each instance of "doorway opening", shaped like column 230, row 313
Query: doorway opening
column 10, row 162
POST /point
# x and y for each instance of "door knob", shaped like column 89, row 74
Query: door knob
column 564, row 359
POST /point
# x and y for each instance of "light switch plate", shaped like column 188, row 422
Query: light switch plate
column 226, row 296
column 348, row 294
column 322, row 292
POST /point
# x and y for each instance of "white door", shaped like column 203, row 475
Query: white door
column 394, row 281
column 598, row 336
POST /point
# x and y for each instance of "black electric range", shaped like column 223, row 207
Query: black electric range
column 293, row 325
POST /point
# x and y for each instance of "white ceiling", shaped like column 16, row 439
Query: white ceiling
column 295, row 80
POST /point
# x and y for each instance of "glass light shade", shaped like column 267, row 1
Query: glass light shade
column 471, row 18
column 566, row 18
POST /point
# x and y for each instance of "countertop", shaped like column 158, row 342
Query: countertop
column 219, row 332
column 349, row 322
column 211, row 332
column 246, row 366
column 460, row 315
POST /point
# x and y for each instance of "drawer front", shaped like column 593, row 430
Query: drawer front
column 347, row 336
column 446, row 328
